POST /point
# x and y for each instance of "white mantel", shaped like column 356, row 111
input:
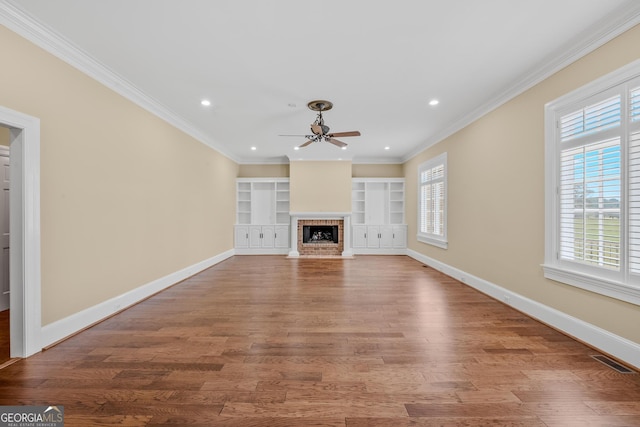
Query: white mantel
column 344, row 216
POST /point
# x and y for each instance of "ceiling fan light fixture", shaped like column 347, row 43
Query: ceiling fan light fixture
column 322, row 132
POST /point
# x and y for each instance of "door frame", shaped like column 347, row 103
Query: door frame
column 5, row 152
column 25, row 269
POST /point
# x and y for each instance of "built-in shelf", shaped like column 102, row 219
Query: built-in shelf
column 377, row 201
column 378, row 223
column 262, row 215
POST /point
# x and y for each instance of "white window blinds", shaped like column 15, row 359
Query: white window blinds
column 594, row 196
column 432, row 193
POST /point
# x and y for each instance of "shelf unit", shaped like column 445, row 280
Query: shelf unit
column 282, row 202
column 262, row 216
column 377, row 216
column 244, row 203
column 262, row 201
column 396, row 202
column 377, row 201
column 357, row 202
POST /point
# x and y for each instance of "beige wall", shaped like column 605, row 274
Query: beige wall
column 357, row 171
column 4, row 136
column 263, row 171
column 377, row 171
column 125, row 197
column 496, row 196
column 320, row 186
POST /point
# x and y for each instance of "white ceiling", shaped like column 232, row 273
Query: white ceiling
column 260, row 63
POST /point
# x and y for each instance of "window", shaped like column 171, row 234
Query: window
column 432, row 201
column 593, row 186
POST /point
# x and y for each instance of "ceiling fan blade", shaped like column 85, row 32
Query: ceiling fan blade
column 306, row 143
column 336, row 142
column 341, row 134
column 301, row 136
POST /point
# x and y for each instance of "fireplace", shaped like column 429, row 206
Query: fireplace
column 320, row 234
column 331, row 230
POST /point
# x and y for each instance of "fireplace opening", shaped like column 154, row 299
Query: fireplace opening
column 320, row 234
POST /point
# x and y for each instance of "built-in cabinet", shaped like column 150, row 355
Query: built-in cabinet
column 262, row 216
column 377, row 216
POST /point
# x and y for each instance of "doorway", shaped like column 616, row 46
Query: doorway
column 25, row 325
column 5, row 290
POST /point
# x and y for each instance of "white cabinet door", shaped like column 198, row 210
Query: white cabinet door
column 373, row 236
column 282, row 236
column 359, row 239
column 399, row 236
column 242, row 236
column 268, row 236
column 386, row 236
column 255, row 236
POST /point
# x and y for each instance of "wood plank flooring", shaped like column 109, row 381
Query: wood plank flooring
column 372, row 341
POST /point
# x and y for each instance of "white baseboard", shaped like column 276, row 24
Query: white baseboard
column 63, row 328
column 621, row 348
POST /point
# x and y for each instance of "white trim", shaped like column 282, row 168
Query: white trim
column 63, row 328
column 621, row 348
column 553, row 267
column 439, row 243
column 25, row 296
column 320, row 215
column 19, row 22
column 591, row 283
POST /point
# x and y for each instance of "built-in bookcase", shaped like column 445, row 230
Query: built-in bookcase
column 377, row 216
column 262, row 216
column 377, row 201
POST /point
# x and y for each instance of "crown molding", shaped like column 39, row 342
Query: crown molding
column 610, row 27
column 22, row 24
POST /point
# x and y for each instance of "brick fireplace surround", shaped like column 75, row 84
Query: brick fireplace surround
column 321, row 249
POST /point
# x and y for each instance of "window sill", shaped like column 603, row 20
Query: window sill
column 610, row 288
column 443, row 244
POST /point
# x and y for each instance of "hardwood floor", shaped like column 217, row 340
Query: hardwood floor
column 372, row 341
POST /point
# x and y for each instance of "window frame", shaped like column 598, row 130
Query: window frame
column 433, row 239
column 618, row 284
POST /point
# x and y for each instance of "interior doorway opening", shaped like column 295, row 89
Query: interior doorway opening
column 24, row 223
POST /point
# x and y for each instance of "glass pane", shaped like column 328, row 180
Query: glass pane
column 590, row 191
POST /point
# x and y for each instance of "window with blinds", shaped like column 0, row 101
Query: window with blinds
column 432, row 197
column 593, row 187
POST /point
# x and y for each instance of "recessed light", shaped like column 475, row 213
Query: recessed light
column 296, row 148
column 205, row 102
column 434, row 102
column 344, row 148
column 387, row 148
column 254, row 148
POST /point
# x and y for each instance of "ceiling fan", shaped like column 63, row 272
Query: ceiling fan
column 320, row 131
